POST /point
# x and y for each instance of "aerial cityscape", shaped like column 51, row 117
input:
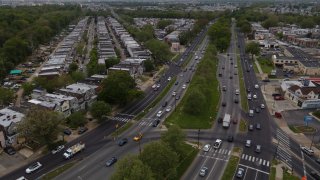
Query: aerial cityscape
column 159, row 89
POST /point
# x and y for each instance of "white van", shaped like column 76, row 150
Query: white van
column 251, row 113
column 248, row 143
column 249, row 96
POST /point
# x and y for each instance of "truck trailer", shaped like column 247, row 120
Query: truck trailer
column 73, row 150
column 226, row 121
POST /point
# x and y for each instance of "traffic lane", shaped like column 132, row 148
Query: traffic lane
column 93, row 140
column 311, row 161
column 297, row 166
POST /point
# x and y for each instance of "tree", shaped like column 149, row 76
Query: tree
column 196, row 102
column 161, row 159
column 6, row 96
column 76, row 119
column 272, row 21
column 148, row 65
column 175, row 138
column 99, row 109
column 77, row 76
column 118, row 88
column 131, row 167
column 220, row 34
column 28, row 88
column 253, row 48
column 73, row 67
column 111, row 62
column 160, row 51
column 163, row 23
column 40, row 125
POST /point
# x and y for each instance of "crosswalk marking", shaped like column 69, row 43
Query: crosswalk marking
column 249, row 158
column 260, row 161
column 242, row 156
column 219, row 151
column 246, row 157
column 253, row 159
column 229, row 153
column 264, row 162
column 267, row 163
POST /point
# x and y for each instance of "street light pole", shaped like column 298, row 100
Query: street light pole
column 140, row 147
column 198, row 138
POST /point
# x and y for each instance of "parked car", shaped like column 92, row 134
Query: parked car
column 57, row 149
column 67, row 132
column 82, row 130
column 9, row 150
column 33, row 167
column 262, row 106
column 123, row 141
column 258, row 126
column 308, row 151
column 111, row 161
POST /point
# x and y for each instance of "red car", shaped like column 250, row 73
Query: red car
column 278, row 98
column 278, row 115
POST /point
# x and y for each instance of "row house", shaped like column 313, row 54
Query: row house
column 305, row 97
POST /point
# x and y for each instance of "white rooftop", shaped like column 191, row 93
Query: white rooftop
column 8, row 116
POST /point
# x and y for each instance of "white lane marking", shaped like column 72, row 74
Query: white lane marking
column 229, row 153
column 214, row 158
column 254, row 169
column 249, row 158
column 264, row 162
column 219, row 151
column 253, row 159
column 260, row 161
column 267, row 163
column 242, row 156
column 256, row 175
column 246, row 157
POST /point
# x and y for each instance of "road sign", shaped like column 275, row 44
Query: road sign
column 307, row 119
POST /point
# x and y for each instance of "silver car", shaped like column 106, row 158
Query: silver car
column 203, row 171
column 57, row 149
column 33, row 167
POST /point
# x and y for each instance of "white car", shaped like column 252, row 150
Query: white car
column 174, row 93
column 168, row 108
column 159, row 114
column 237, row 92
column 206, row 147
column 306, row 150
column 57, row 149
column 255, row 96
column 256, row 86
column 158, row 85
column 203, row 171
column 262, row 106
column 184, row 86
column 33, row 167
column 217, row 144
column 169, row 78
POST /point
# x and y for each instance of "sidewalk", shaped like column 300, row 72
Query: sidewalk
column 279, row 171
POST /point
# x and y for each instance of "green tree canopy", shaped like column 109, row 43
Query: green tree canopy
column 6, row 96
column 174, row 137
column 131, row 167
column 73, row 67
column 76, row 119
column 196, row 102
column 163, row 23
column 118, row 88
column 148, row 65
column 41, row 126
column 111, row 62
column 99, row 109
column 220, row 34
column 28, row 88
column 160, row 51
column 161, row 159
column 253, row 48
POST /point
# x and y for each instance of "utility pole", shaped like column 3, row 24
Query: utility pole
column 198, row 138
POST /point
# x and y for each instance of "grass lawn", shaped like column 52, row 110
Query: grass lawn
column 237, row 149
column 256, row 70
column 205, row 83
column 266, row 65
column 186, row 162
column 243, row 126
column 122, row 129
column 231, row 168
column 287, row 176
column 302, row 129
column 57, row 171
column 243, row 94
column 157, row 100
column 317, row 114
column 272, row 175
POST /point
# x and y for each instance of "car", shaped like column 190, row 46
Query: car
column 266, row 80
column 203, row 171
column 122, row 141
column 258, row 126
column 308, row 151
column 257, row 109
column 224, row 104
column 258, row 149
column 318, row 160
column 165, row 104
column 250, row 127
column 248, row 143
column 67, row 132
column 206, row 147
column 236, row 100
column 176, row 83
column 248, row 90
column 158, row 85
column 234, row 120
column 111, row 161
column 159, row 114
column 240, row 173
column 184, row 86
column 156, row 123
column 224, row 88
column 9, row 150
column 222, row 67
column 230, row 138
column 235, row 73
column 235, row 66
column 82, row 130
column 177, row 97
column 262, row 106
column 217, row 144
column 220, row 74
column 230, row 77
column 57, row 149
column 169, row 78
column 315, row 175
column 256, row 86
column 22, row 178
column 220, row 119
column 237, row 92
column 138, row 137
column 181, row 74
column 231, row 62
column 168, row 108
column 33, row 167
column 174, row 93
column 188, row 81
column 255, row 96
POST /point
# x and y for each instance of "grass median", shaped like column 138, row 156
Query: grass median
column 191, row 153
column 231, row 168
column 122, row 129
column 58, row 171
column 199, row 106
column 272, row 173
column 243, row 94
column 243, row 126
column 157, row 100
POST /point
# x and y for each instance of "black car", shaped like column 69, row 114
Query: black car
column 111, row 161
column 176, row 83
column 236, row 100
column 10, row 150
column 220, row 120
column 67, row 132
column 222, row 67
column 177, row 97
column 220, row 75
column 315, row 175
column 165, row 104
column 250, row 127
column 224, row 104
column 248, row 90
column 230, row 77
column 257, row 110
column 123, row 142
column 230, row 138
column 82, row 130
column 156, row 123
